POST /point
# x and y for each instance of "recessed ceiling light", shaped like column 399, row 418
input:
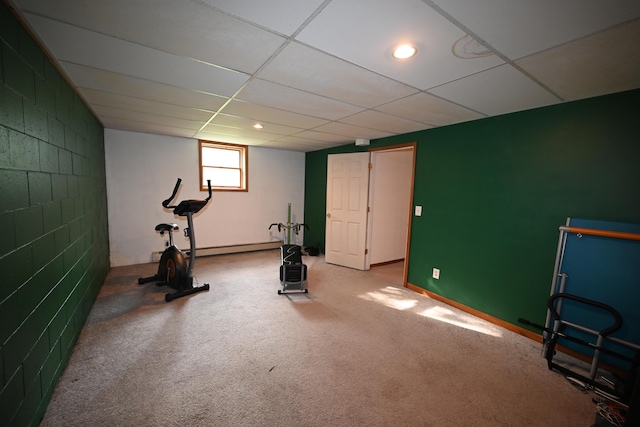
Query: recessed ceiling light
column 404, row 51
column 258, row 126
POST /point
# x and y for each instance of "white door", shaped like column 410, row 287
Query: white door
column 346, row 221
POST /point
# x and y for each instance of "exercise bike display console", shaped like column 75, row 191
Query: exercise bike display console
column 174, row 269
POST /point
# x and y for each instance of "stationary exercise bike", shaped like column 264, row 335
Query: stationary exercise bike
column 174, row 270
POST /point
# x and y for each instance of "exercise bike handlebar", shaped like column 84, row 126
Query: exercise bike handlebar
column 208, row 185
column 166, row 203
column 175, row 190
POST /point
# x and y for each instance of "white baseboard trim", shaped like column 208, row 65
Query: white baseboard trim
column 231, row 249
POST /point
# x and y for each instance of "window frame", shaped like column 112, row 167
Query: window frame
column 244, row 164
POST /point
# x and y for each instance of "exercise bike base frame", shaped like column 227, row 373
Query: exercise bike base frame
column 178, row 294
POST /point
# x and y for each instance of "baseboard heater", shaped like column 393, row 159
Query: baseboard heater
column 231, row 249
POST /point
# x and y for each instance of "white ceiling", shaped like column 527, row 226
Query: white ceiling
column 319, row 73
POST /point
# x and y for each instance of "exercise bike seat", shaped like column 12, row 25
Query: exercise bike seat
column 166, row 227
column 189, row 206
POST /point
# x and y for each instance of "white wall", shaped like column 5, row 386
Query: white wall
column 142, row 169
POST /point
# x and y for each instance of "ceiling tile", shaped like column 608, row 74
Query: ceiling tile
column 284, row 16
column 322, row 69
column 152, row 128
column 79, row 46
column 134, row 116
column 291, row 146
column 257, row 135
column 272, row 115
column 520, row 28
column 380, row 26
column 213, row 134
column 384, row 122
column 310, row 144
column 322, row 136
column 425, row 108
column 351, row 131
column 119, row 84
column 244, row 123
column 184, row 28
column 497, row 91
column 285, row 98
column 307, row 69
column 603, row 63
column 127, row 103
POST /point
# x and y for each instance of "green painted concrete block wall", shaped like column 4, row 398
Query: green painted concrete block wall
column 54, row 252
column 495, row 191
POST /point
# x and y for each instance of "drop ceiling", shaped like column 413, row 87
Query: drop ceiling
column 319, row 73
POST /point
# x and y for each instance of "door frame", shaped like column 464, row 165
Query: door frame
column 413, row 146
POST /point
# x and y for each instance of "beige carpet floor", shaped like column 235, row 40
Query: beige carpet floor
column 358, row 350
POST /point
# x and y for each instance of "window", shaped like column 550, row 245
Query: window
column 224, row 164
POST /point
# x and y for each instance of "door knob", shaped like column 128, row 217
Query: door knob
column 328, row 215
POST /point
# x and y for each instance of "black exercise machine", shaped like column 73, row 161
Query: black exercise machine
column 293, row 272
column 173, row 269
column 560, row 330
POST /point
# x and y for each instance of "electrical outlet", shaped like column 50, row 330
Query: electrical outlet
column 436, row 273
column 418, row 210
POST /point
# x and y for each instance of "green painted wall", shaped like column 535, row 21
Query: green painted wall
column 54, row 252
column 495, row 191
